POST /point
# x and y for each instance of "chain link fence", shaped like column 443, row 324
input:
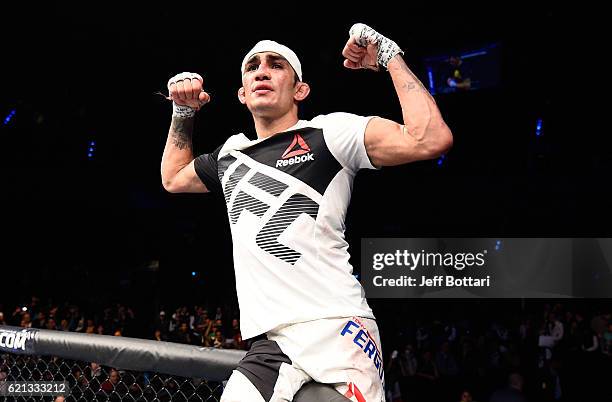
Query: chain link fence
column 93, row 382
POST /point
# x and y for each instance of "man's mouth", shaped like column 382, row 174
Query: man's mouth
column 262, row 89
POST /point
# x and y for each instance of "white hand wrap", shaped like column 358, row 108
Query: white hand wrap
column 387, row 49
column 179, row 110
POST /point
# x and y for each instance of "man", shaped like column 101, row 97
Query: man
column 456, row 78
column 287, row 193
column 512, row 393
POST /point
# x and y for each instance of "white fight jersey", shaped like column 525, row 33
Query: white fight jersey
column 286, row 198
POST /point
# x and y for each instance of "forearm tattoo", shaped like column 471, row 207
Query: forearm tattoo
column 181, row 132
column 414, row 84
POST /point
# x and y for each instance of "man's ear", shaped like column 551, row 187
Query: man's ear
column 302, row 91
column 241, row 96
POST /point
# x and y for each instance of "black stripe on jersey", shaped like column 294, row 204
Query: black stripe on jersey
column 245, row 201
column 223, row 164
column 316, row 173
column 267, row 238
column 233, row 180
column 268, row 184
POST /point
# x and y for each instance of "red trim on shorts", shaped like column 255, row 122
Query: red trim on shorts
column 354, row 391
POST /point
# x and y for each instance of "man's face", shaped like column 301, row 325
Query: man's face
column 268, row 85
column 114, row 377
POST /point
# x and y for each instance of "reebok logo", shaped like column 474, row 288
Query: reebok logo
column 297, row 152
column 294, row 160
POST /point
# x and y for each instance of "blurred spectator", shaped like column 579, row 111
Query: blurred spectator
column 525, row 329
column 158, row 336
column 2, row 321
column 94, row 374
column 51, row 324
column 219, row 340
column 112, row 381
column 64, row 325
column 466, row 396
column 237, row 341
column 512, row 393
column 554, row 328
column 590, row 341
column 26, row 322
column 162, row 323
column 183, row 335
column 450, row 331
column 40, row 321
column 422, row 337
column 457, row 77
column 445, row 362
column 599, row 323
column 548, row 382
column 81, row 379
column 80, row 326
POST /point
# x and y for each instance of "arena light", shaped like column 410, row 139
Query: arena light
column 538, row 127
column 432, row 87
column 441, row 159
column 91, row 150
column 474, row 54
column 8, row 118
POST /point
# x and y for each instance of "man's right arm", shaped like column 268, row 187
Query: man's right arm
column 177, row 168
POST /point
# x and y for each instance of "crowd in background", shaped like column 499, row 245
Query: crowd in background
column 557, row 353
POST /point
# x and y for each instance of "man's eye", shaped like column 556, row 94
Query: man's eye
column 277, row 65
column 251, row 67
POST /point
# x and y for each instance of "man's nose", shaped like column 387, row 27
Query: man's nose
column 262, row 73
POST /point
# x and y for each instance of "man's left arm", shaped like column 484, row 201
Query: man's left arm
column 423, row 134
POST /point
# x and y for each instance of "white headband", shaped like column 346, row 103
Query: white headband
column 271, row 46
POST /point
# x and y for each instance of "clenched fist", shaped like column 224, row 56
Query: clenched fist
column 366, row 48
column 187, row 93
column 358, row 56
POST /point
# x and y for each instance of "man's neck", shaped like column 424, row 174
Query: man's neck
column 267, row 127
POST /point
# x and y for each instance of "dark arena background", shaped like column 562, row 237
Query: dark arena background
column 92, row 242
